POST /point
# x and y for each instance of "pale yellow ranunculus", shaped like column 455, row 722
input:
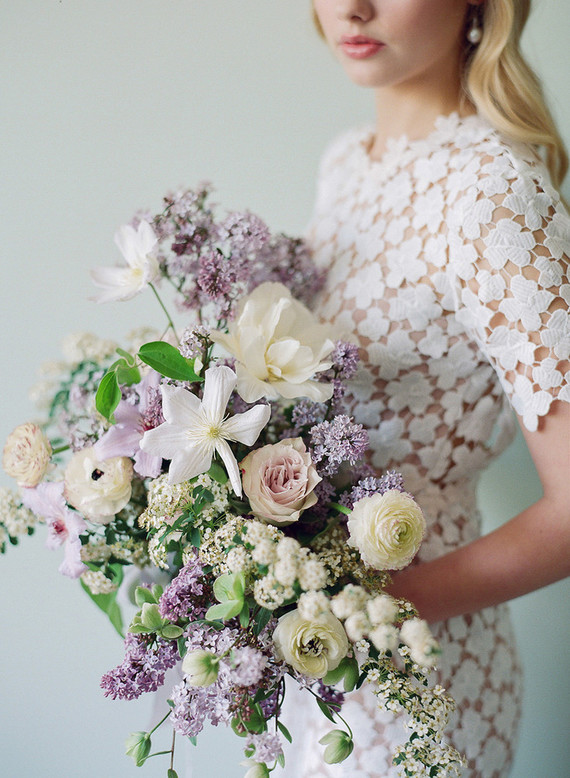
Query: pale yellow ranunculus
column 387, row 529
column 312, row 647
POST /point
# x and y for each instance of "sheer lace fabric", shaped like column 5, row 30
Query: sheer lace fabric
column 447, row 264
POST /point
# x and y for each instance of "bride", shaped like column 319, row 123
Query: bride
column 446, row 244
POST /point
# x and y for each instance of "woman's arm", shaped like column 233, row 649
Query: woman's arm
column 529, row 551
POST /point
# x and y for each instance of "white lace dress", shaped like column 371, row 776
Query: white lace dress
column 447, row 263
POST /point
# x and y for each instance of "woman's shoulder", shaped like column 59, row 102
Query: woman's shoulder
column 498, row 167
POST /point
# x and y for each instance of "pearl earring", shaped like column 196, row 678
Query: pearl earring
column 474, row 33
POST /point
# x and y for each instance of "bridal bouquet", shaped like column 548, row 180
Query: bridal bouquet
column 215, row 466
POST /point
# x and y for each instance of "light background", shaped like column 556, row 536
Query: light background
column 105, row 106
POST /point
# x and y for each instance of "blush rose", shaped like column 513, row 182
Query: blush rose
column 279, row 480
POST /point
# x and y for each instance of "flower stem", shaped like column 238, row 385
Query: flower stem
column 158, row 725
column 59, row 449
column 162, row 305
column 341, row 508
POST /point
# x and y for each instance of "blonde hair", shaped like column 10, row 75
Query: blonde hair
column 504, row 88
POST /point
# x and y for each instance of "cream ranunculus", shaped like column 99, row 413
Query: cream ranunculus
column 279, row 347
column 312, row 647
column 26, row 454
column 98, row 489
column 387, row 529
column 279, row 480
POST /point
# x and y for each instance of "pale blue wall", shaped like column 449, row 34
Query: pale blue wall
column 106, row 104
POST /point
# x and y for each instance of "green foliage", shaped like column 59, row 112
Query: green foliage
column 108, row 602
column 108, row 395
column 168, row 361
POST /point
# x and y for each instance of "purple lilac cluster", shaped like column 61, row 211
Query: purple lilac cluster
column 249, row 664
column 214, row 263
column 268, row 746
column 194, row 341
column 370, row 485
column 146, row 661
column 345, row 363
column 193, row 705
column 337, row 441
column 182, row 597
column 288, row 261
column 306, row 413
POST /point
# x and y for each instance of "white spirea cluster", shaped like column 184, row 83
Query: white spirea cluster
column 286, row 561
column 97, row 582
column 366, row 615
column 424, row 649
column 312, row 605
column 165, row 501
column 15, row 517
column 82, row 346
column 215, row 549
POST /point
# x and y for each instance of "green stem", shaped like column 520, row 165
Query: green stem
column 172, row 750
column 158, row 753
column 341, row 508
column 158, row 725
column 333, row 712
column 162, row 305
column 59, row 449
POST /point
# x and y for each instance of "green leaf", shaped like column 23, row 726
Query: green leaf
column 142, row 595
column 128, row 375
column 108, row 605
column 284, row 731
column 168, row 361
column 261, row 620
column 218, row 473
column 171, row 773
column 195, row 537
column 351, row 675
column 108, row 395
column 171, row 632
column 256, row 722
column 325, row 709
column 182, row 647
column 230, row 586
column 193, row 739
column 225, row 610
column 244, row 615
column 281, row 759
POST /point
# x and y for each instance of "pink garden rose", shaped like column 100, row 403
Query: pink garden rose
column 26, row 454
column 279, row 480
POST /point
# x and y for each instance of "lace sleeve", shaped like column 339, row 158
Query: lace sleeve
column 510, row 261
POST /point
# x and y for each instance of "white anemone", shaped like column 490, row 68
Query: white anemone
column 195, row 429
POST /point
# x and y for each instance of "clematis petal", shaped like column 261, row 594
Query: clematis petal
column 118, row 283
column 245, row 427
column 118, row 441
column 219, row 384
column 147, row 465
column 179, row 406
column 165, row 441
column 229, row 460
column 72, row 566
column 189, row 463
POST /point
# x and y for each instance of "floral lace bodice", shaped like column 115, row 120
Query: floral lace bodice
column 447, row 263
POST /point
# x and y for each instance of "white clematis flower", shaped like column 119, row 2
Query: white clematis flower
column 194, row 429
column 122, row 283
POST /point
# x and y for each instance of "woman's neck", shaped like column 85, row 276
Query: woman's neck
column 411, row 110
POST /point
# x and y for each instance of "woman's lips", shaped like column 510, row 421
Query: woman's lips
column 360, row 47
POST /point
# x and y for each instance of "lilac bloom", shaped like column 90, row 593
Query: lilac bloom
column 65, row 526
column 132, row 421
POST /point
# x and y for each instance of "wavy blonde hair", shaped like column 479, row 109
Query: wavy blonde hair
column 503, row 87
